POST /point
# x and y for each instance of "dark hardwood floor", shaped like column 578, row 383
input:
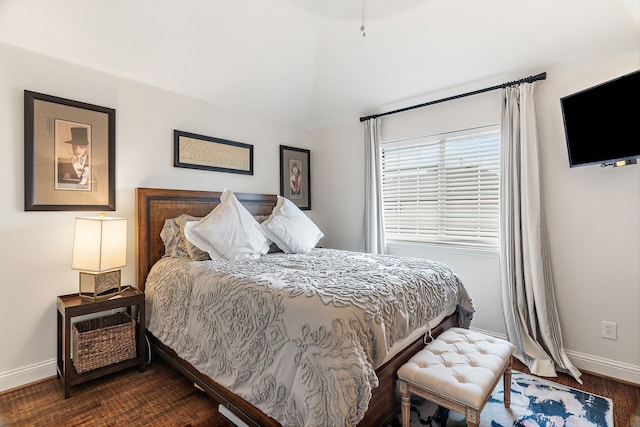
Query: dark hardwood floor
column 161, row 396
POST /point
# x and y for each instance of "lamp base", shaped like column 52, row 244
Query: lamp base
column 99, row 286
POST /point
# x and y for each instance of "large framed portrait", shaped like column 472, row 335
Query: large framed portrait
column 69, row 155
column 295, row 176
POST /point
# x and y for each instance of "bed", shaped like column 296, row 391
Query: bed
column 154, row 206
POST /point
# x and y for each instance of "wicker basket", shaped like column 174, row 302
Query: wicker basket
column 103, row 341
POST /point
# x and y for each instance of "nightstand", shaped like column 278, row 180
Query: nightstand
column 73, row 305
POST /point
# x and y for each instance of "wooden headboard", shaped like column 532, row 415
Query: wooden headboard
column 155, row 205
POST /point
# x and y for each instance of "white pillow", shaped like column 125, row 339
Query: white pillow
column 228, row 231
column 290, row 229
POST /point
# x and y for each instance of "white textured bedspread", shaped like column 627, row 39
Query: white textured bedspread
column 298, row 336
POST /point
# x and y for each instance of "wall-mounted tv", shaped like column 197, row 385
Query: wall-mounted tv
column 602, row 123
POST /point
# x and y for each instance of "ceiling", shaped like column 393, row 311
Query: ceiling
column 305, row 62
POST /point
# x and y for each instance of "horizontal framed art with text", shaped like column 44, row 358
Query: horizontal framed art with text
column 195, row 151
column 69, row 155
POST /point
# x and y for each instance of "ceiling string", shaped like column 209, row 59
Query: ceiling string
column 362, row 26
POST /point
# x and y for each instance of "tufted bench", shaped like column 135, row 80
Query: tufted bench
column 457, row 370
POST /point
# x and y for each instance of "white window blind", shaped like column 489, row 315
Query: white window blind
column 443, row 189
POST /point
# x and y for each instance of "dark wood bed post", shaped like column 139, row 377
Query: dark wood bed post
column 153, row 206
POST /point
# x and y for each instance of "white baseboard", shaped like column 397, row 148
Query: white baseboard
column 490, row 333
column 594, row 364
column 597, row 365
column 610, row 368
column 27, row 374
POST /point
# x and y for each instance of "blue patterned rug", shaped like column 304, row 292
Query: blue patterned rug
column 534, row 403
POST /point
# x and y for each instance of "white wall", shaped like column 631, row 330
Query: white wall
column 593, row 214
column 35, row 251
column 338, row 186
column 593, row 218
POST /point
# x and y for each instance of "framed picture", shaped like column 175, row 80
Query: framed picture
column 69, row 155
column 205, row 152
column 295, row 175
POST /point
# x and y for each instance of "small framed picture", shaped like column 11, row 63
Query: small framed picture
column 195, row 151
column 295, row 176
column 69, row 155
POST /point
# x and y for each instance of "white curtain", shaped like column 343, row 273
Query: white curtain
column 531, row 316
column 374, row 241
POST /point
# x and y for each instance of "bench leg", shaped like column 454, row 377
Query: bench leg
column 406, row 406
column 472, row 417
column 507, row 386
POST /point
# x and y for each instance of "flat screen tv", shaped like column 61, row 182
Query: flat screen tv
column 602, row 123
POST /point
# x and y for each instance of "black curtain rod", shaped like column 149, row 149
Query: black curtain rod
column 529, row 79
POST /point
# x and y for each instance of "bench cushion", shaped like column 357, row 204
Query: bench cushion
column 460, row 364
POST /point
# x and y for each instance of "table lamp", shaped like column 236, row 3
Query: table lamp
column 99, row 251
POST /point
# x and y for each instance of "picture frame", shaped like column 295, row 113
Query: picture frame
column 295, row 176
column 193, row 151
column 69, row 155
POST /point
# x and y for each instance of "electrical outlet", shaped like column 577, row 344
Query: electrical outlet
column 609, row 330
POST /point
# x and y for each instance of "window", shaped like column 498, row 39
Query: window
column 443, row 189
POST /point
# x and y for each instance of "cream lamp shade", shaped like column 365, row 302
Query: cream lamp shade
column 99, row 250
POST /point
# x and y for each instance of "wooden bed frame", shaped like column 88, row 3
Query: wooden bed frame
column 153, row 206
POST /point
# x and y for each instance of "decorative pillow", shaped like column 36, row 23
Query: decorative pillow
column 228, row 231
column 290, row 229
column 195, row 253
column 173, row 239
column 273, row 248
column 261, row 218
